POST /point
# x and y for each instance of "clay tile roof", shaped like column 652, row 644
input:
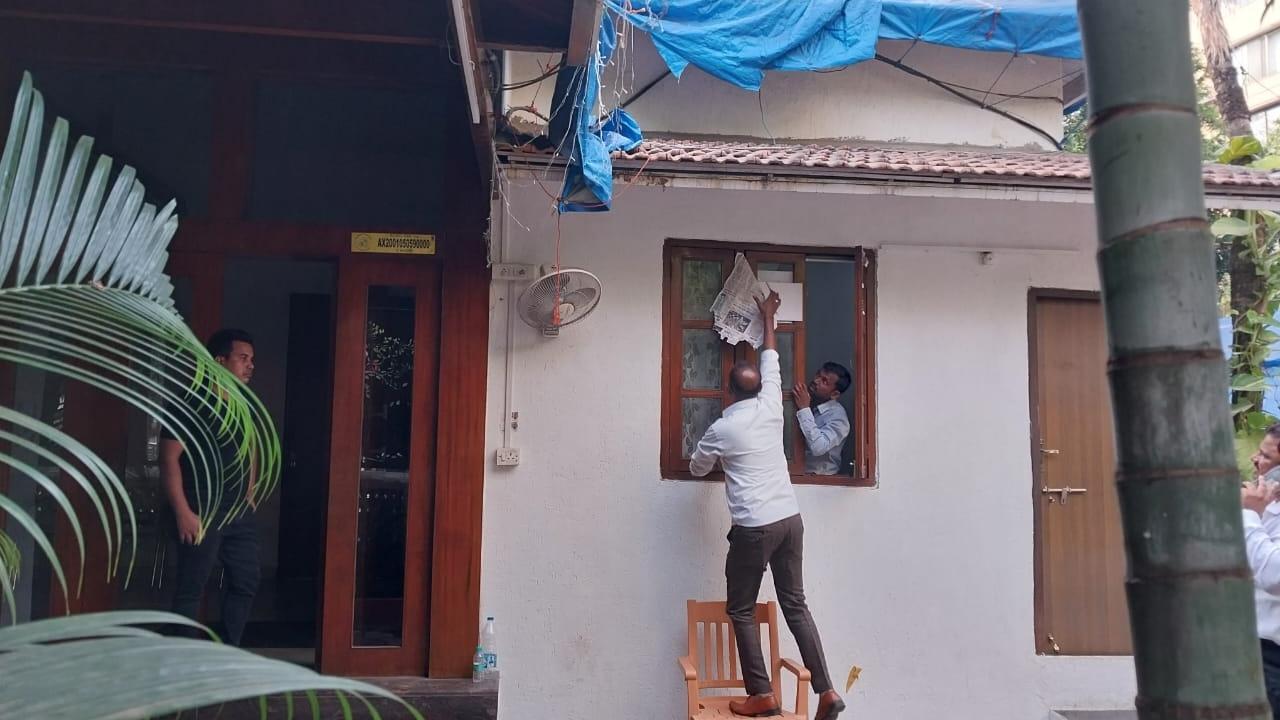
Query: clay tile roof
column 913, row 160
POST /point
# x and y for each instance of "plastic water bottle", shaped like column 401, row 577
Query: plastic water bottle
column 489, row 645
column 477, row 665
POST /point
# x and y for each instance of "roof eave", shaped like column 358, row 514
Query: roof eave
column 760, row 176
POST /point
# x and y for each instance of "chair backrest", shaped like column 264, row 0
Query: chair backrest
column 714, row 647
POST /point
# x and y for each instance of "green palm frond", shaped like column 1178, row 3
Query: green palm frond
column 83, row 295
column 57, row 668
column 10, row 557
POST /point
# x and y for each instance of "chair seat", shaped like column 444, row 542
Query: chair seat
column 717, row 708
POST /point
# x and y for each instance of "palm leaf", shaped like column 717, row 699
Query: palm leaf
column 83, row 295
column 10, row 557
column 73, row 667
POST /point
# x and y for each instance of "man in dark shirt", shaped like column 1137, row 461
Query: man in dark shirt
column 235, row 543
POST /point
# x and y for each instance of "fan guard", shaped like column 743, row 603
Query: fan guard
column 559, row 298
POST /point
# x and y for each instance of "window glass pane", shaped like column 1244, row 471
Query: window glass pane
column 787, row 359
column 700, row 283
column 776, row 272
column 701, row 360
column 1273, row 54
column 1255, row 57
column 696, row 415
column 830, row 297
column 384, row 467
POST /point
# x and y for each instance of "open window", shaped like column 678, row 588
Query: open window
column 836, row 324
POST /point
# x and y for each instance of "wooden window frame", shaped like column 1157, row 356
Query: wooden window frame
column 863, row 434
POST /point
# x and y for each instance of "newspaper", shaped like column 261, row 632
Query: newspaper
column 735, row 314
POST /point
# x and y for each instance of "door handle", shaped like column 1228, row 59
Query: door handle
column 1061, row 494
column 1047, row 451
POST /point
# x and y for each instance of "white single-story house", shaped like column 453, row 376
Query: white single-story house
column 949, row 256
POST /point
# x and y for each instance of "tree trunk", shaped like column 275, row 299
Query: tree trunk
column 1228, row 95
column 1189, row 587
column 1246, row 294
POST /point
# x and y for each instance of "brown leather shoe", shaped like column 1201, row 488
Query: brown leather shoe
column 756, row 706
column 829, row 706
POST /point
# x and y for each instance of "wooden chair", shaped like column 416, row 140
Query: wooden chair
column 712, row 662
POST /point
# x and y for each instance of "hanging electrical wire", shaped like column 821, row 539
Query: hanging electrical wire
column 973, row 101
column 533, row 81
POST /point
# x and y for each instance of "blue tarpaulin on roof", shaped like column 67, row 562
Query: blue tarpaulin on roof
column 738, row 41
column 1024, row 27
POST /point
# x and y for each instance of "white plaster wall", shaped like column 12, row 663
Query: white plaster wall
column 925, row 582
column 868, row 101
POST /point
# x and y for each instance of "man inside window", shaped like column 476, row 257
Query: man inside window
column 822, row 419
column 767, row 529
column 236, row 542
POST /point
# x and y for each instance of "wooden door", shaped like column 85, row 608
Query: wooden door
column 1080, row 565
column 377, row 566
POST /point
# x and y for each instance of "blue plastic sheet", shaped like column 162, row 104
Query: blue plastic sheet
column 1024, row 27
column 738, row 40
column 588, row 179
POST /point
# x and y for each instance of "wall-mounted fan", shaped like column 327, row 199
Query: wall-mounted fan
column 559, row 298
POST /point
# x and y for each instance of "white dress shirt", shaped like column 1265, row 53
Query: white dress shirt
column 747, row 440
column 824, row 432
column 1262, row 543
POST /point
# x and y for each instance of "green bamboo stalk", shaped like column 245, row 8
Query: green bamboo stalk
column 1190, row 591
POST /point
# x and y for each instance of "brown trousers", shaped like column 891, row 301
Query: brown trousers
column 779, row 545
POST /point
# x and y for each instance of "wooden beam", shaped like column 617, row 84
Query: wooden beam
column 460, row 436
column 460, row 464
column 394, row 21
column 24, row 41
column 465, row 31
column 477, row 89
column 583, row 31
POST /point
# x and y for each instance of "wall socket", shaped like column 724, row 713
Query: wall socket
column 507, row 457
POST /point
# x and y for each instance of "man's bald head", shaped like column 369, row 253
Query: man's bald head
column 744, row 380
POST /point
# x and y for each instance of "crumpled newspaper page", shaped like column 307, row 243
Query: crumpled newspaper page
column 735, row 314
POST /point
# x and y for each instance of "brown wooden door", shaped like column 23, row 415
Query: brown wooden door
column 1080, row 565
column 377, row 567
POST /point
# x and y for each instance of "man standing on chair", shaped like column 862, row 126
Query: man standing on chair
column 236, row 543
column 767, row 530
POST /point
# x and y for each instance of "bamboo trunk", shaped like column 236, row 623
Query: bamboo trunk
column 1190, row 591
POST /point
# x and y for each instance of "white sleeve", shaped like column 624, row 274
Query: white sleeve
column 1264, row 553
column 706, row 454
column 771, row 378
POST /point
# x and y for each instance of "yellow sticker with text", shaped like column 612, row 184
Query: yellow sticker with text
column 393, row 243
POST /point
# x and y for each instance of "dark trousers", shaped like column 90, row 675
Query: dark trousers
column 1271, row 675
column 236, row 545
column 780, row 546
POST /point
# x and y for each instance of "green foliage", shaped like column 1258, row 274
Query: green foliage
column 1213, row 129
column 83, row 294
column 1256, row 330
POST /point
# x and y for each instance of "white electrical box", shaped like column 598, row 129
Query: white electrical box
column 514, row 271
column 507, row 457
